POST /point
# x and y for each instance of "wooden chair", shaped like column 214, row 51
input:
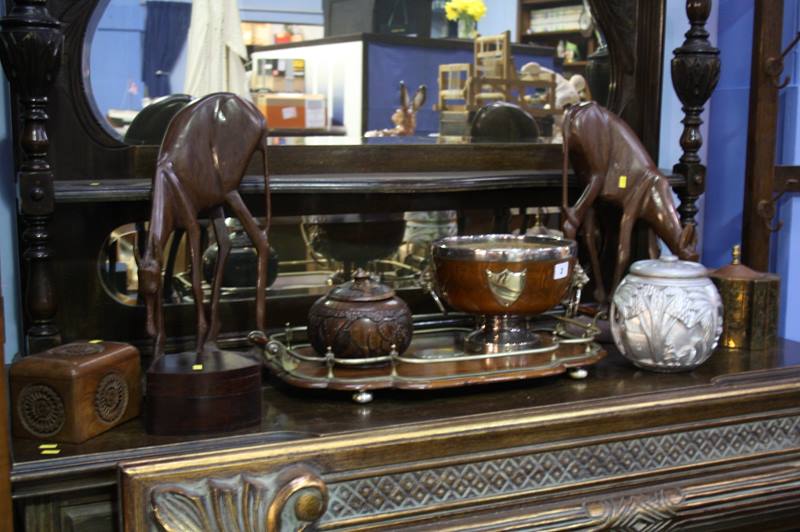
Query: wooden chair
column 464, row 87
column 494, row 68
column 455, row 93
column 538, row 93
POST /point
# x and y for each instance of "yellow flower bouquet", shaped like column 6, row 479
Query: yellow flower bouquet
column 467, row 13
column 474, row 9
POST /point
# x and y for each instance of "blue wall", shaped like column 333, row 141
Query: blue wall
column 727, row 140
column 388, row 65
column 116, row 56
column 501, row 15
column 282, row 11
column 728, row 151
column 786, row 243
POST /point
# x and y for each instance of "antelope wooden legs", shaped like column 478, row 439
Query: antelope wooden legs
column 259, row 238
column 224, row 249
column 193, row 233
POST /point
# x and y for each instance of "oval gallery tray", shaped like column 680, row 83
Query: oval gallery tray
column 435, row 359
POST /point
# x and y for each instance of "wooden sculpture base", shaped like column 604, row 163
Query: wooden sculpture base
column 221, row 394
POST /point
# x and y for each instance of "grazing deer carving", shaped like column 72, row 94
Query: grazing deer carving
column 203, row 157
column 405, row 117
column 613, row 166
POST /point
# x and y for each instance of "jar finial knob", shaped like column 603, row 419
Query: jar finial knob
column 737, row 254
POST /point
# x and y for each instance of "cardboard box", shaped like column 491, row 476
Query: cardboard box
column 293, row 111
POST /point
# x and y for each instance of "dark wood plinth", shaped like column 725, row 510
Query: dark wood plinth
column 182, row 399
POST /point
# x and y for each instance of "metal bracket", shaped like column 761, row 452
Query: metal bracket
column 774, row 65
column 767, row 208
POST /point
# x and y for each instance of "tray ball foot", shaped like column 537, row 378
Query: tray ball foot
column 578, row 373
column 362, row 397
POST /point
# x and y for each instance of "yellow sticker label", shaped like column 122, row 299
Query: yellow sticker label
column 623, row 181
column 50, row 451
column 48, row 446
column 197, row 367
column 96, row 341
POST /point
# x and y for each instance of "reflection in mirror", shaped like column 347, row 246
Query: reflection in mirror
column 317, row 85
column 311, row 253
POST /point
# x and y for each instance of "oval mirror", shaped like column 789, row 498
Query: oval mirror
column 333, row 71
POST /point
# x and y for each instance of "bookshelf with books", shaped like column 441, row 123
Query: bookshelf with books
column 563, row 24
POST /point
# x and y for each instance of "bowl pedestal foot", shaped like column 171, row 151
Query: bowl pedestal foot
column 501, row 334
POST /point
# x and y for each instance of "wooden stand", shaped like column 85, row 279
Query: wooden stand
column 185, row 397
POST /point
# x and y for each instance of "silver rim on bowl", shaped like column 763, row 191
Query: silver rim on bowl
column 505, row 248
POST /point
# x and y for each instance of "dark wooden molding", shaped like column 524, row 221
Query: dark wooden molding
column 761, row 134
column 31, row 42
column 695, row 73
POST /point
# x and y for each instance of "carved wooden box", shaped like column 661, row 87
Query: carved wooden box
column 76, row 391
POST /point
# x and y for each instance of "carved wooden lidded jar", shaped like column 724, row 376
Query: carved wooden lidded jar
column 666, row 315
column 360, row 319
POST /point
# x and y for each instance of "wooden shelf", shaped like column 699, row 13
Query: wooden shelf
column 548, row 3
column 559, row 33
column 586, row 45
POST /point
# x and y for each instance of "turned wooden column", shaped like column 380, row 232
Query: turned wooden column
column 30, row 49
column 695, row 73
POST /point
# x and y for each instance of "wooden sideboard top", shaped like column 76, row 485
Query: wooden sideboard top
column 716, row 389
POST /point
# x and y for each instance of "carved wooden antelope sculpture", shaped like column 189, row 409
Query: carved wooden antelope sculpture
column 613, row 166
column 202, row 160
column 405, row 117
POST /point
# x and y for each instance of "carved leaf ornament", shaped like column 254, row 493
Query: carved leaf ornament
column 289, row 500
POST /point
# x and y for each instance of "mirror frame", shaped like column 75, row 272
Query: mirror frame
column 81, row 183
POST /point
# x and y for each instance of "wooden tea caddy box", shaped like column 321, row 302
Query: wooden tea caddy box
column 75, row 391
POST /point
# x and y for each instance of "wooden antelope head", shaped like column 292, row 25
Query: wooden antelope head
column 150, row 290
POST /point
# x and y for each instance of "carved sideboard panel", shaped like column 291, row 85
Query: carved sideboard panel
column 287, row 500
column 385, row 494
column 334, row 484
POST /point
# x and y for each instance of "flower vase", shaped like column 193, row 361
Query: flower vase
column 467, row 27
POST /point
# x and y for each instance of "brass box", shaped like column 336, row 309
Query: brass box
column 76, row 391
column 750, row 302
